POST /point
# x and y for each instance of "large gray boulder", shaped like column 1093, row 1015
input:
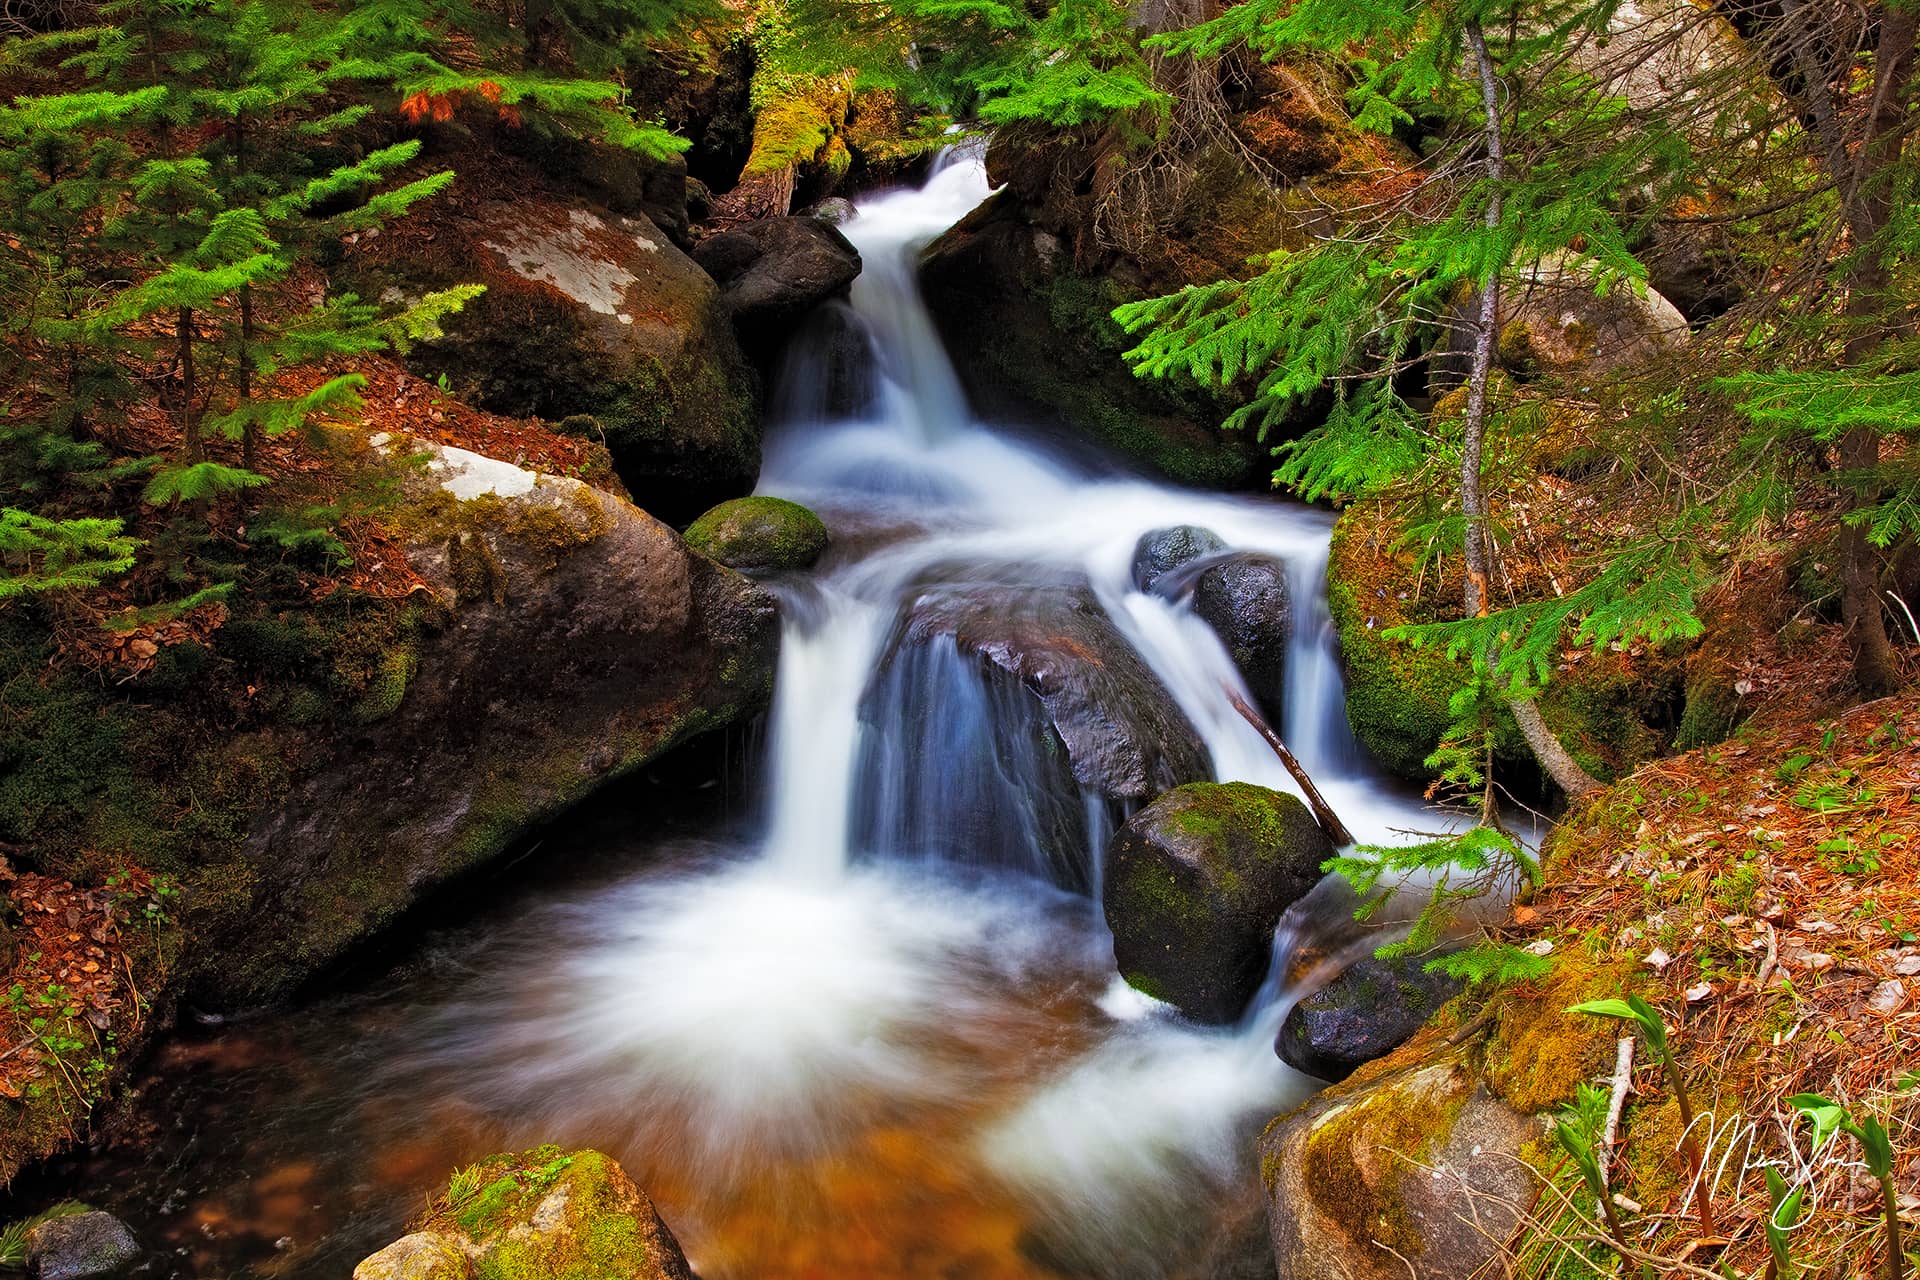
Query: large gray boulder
column 1418, row 1174
column 587, row 313
column 571, row 639
column 1553, row 321
column 1195, row 883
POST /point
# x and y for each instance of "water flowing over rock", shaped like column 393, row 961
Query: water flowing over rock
column 1365, row 1013
column 1161, row 551
column 580, row 638
column 1417, row 1173
column 1195, row 884
column 540, row 1213
column 1124, row 734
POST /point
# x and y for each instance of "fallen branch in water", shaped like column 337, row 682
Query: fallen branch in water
column 1322, row 811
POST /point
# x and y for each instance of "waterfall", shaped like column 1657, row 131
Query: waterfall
column 893, row 1003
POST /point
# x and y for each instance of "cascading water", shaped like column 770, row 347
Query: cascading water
column 882, row 1037
column 899, row 960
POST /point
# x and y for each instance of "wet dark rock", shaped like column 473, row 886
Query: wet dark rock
column 1125, row 736
column 837, row 210
column 773, row 271
column 1033, row 339
column 760, row 535
column 81, row 1246
column 1196, row 882
column 1245, row 598
column 1160, row 551
column 1370, row 1010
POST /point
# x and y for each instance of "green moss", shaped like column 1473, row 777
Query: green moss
column 388, row 687
column 759, row 533
column 1358, row 1156
column 1538, row 1054
column 1397, row 696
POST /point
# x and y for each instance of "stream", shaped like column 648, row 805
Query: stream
column 871, row 1029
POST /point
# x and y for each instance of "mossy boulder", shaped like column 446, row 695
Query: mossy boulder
column 539, row 1215
column 1369, row 1010
column 1195, row 883
column 760, row 535
column 587, row 312
column 1415, row 1172
column 577, row 638
column 1397, row 695
column 1612, row 710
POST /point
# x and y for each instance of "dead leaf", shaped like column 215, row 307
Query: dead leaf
column 1659, row 959
column 1698, row 993
column 1888, row 997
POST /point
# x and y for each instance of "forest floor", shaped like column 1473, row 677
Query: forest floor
column 1766, row 890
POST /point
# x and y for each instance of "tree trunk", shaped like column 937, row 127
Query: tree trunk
column 1553, row 757
column 243, row 380
column 188, row 416
column 1473, row 501
column 1867, row 204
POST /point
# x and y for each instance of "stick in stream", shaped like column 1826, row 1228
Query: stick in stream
column 1328, row 819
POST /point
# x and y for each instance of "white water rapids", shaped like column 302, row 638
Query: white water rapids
column 830, row 1024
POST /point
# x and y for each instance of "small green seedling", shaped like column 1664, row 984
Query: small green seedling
column 1578, row 1130
column 1783, row 1215
column 1828, row 1118
column 1654, row 1028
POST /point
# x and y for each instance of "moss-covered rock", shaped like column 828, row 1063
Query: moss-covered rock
column 759, row 534
column 577, row 638
column 1612, row 711
column 1196, row 882
column 1416, row 1171
column 543, row 1214
column 1397, row 696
